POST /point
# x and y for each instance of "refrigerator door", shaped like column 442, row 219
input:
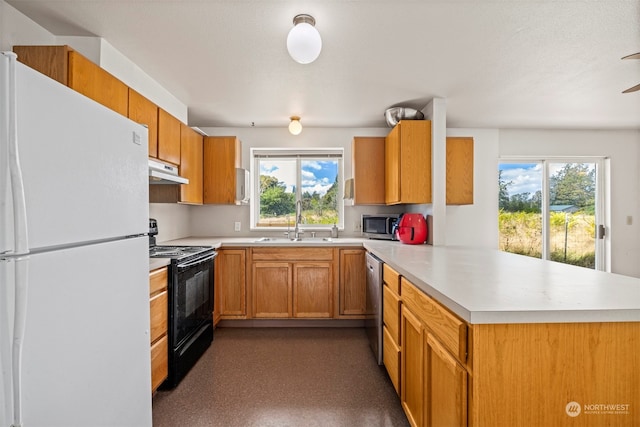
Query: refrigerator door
column 86, row 356
column 84, row 166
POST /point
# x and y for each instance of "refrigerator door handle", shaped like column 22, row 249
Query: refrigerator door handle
column 15, row 170
column 21, row 246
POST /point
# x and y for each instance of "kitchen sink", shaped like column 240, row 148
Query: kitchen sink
column 283, row 240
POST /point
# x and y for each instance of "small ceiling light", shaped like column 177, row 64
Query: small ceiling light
column 303, row 42
column 295, row 127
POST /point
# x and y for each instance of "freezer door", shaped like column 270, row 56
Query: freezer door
column 86, row 357
column 84, row 166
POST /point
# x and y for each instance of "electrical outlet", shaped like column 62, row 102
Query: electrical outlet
column 236, row 226
column 357, row 226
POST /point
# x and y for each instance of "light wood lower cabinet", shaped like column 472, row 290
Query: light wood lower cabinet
column 391, row 310
column 293, row 282
column 159, row 315
column 353, row 283
column 230, row 294
column 445, row 386
column 272, row 289
column 434, row 370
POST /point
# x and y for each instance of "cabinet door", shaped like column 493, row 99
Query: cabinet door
column 94, row 82
column 158, row 311
column 459, row 170
column 143, row 111
column 168, row 137
column 272, row 289
column 411, row 367
column 191, row 165
column 222, row 155
column 231, row 282
column 415, row 161
column 445, row 387
column 368, row 164
column 353, row 282
column 159, row 362
column 392, row 166
column 391, row 358
column 312, row 289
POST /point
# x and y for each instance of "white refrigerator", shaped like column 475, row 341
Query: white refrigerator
column 74, row 266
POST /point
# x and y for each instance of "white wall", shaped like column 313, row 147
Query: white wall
column 174, row 220
column 17, row 29
column 623, row 149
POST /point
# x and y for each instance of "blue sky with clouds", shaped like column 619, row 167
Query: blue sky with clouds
column 317, row 175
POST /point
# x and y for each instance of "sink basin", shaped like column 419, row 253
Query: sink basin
column 299, row 240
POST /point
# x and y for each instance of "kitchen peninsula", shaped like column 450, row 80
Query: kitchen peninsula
column 492, row 338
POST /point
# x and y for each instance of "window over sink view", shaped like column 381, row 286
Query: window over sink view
column 278, row 174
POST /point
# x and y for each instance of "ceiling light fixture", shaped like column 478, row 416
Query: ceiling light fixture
column 303, row 42
column 295, row 127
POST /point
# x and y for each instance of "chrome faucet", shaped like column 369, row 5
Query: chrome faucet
column 296, row 230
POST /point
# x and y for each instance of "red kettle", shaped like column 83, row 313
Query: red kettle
column 412, row 229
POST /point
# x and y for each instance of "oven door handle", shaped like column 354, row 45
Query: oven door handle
column 198, row 261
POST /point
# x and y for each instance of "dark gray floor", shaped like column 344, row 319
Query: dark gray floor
column 284, row 377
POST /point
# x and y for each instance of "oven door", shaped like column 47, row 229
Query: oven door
column 193, row 297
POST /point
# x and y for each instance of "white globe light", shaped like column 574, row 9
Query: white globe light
column 295, row 127
column 303, row 42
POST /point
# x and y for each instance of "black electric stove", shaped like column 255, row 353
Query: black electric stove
column 191, row 282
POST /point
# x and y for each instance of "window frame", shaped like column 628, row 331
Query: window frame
column 602, row 200
column 299, row 154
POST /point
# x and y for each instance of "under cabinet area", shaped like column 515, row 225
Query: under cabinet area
column 159, row 315
column 292, row 282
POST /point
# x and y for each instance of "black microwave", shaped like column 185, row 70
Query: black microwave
column 379, row 226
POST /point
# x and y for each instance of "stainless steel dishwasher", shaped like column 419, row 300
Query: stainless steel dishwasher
column 373, row 323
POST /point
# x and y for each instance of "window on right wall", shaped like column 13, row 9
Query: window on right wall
column 552, row 208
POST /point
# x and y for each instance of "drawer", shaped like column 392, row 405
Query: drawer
column 158, row 280
column 450, row 330
column 292, row 254
column 159, row 313
column 159, row 362
column 391, row 358
column 391, row 313
column 391, row 278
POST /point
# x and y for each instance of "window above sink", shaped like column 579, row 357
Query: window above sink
column 281, row 177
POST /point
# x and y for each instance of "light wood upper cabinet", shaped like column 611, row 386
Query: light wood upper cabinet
column 77, row 72
column 168, row 138
column 367, row 164
column 143, row 111
column 459, row 171
column 191, row 161
column 222, row 155
column 408, row 163
column 231, row 284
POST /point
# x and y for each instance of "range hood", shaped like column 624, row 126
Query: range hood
column 162, row 173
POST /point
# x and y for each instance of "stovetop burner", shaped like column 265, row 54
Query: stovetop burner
column 176, row 252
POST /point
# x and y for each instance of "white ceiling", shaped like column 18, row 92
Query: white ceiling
column 498, row 63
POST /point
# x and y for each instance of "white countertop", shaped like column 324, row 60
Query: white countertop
column 490, row 286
